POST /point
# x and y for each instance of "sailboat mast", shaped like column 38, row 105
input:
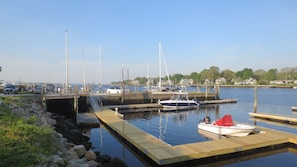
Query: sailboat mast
column 148, row 74
column 160, row 64
column 168, row 78
column 84, row 73
column 100, row 68
column 67, row 82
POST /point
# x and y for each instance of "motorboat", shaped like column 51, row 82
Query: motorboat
column 226, row 126
column 179, row 100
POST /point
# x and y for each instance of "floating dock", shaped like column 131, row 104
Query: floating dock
column 163, row 153
column 275, row 117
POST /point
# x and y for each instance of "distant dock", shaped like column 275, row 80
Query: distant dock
column 150, row 97
column 158, row 106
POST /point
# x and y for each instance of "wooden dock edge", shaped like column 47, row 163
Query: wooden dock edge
column 163, row 153
column 275, row 117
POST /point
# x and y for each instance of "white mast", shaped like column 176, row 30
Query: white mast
column 148, row 75
column 166, row 68
column 67, row 82
column 160, row 64
column 84, row 73
column 100, row 67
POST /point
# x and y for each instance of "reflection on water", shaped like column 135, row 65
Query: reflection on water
column 211, row 136
column 175, row 127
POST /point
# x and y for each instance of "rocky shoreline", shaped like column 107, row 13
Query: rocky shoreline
column 75, row 147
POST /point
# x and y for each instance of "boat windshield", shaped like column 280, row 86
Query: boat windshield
column 179, row 97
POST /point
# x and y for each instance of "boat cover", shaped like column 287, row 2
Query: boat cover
column 226, row 120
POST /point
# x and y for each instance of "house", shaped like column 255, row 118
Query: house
column 220, row 81
column 186, row 82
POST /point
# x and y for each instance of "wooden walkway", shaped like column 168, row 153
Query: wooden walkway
column 165, row 154
column 275, row 117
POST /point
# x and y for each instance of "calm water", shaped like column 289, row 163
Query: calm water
column 181, row 127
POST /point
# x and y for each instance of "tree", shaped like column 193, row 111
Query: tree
column 142, row 80
column 271, row 74
column 214, row 73
column 205, row 74
column 246, row 73
column 196, row 77
column 228, row 75
column 261, row 76
column 176, row 78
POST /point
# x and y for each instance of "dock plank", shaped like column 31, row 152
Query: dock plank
column 275, row 117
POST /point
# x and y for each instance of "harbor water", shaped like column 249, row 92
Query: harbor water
column 180, row 127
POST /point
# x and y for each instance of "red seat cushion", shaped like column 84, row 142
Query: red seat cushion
column 225, row 121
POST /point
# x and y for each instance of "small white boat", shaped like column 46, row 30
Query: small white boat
column 225, row 126
column 179, row 100
column 294, row 108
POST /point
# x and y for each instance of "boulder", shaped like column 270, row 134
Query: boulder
column 80, row 150
column 55, row 159
column 104, row 159
column 78, row 163
column 90, row 156
column 73, row 154
column 93, row 164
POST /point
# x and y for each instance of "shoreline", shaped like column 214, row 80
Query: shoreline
column 74, row 149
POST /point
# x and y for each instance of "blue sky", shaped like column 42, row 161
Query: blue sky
column 195, row 34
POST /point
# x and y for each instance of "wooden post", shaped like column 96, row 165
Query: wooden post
column 255, row 98
column 206, row 91
column 75, row 106
column 217, row 89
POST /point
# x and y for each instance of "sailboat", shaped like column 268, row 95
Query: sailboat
column 170, row 87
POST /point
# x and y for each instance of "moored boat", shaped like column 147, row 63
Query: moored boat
column 225, row 126
column 179, row 100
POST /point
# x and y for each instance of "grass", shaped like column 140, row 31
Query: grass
column 23, row 143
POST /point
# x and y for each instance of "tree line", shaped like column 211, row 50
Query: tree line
column 263, row 77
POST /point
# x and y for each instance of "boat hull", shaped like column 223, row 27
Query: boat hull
column 179, row 104
column 235, row 130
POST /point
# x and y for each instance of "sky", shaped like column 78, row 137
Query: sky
column 108, row 40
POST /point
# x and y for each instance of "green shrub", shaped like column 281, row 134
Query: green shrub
column 23, row 143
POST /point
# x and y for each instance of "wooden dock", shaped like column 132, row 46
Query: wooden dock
column 165, row 154
column 275, row 117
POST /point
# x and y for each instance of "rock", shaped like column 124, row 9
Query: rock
column 90, row 155
column 104, row 159
column 55, row 159
column 80, row 150
column 116, row 162
column 73, row 154
column 78, row 163
column 93, row 164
